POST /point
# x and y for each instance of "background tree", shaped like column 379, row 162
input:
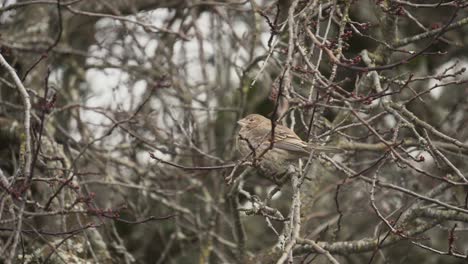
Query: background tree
column 118, row 128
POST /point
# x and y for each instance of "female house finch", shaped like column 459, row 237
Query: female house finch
column 255, row 139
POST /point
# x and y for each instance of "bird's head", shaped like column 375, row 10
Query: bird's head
column 252, row 121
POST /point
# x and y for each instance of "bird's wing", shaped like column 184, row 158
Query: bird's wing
column 292, row 144
column 287, row 140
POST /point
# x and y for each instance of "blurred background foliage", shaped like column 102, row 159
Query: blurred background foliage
column 115, row 80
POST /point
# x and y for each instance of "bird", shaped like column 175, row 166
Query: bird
column 255, row 141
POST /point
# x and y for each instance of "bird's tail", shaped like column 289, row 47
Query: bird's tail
column 326, row 149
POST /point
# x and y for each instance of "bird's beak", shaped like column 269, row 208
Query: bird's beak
column 241, row 122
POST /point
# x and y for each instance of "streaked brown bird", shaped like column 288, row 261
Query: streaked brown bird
column 254, row 139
